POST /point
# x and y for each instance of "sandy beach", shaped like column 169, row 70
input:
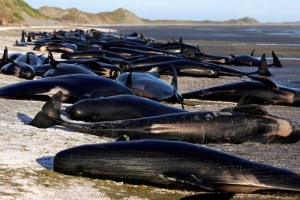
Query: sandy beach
column 27, row 152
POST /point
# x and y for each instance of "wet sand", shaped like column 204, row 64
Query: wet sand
column 27, row 152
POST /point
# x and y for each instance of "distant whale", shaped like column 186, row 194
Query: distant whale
column 174, row 165
column 250, row 60
column 260, row 91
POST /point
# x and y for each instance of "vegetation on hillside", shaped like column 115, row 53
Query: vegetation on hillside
column 11, row 11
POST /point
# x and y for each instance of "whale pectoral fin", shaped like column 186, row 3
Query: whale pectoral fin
column 187, row 179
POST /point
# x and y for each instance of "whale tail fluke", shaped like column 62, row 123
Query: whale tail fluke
column 42, row 120
column 276, row 61
column 263, row 67
column 50, row 114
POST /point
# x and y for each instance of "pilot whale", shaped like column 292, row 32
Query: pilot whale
column 174, row 165
column 248, row 123
column 74, row 87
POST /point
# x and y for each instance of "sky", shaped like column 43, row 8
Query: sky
column 261, row 10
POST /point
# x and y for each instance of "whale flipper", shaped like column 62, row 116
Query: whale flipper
column 188, row 179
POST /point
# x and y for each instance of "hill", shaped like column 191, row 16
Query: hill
column 13, row 12
column 122, row 16
column 19, row 12
column 73, row 15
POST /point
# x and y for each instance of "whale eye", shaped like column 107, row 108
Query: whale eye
column 125, row 67
column 27, row 74
column 114, row 73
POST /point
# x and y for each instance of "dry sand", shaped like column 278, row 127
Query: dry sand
column 27, row 152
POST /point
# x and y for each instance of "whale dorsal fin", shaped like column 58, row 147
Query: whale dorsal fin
column 174, row 84
column 27, row 58
column 29, row 37
column 5, row 54
column 263, row 67
column 53, row 62
column 180, row 40
column 252, row 53
column 128, row 82
column 276, row 61
column 23, row 36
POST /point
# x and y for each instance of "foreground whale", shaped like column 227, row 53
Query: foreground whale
column 235, row 125
column 74, row 87
column 172, row 164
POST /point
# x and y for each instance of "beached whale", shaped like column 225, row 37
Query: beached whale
column 74, row 87
column 186, row 67
column 149, row 86
column 235, row 125
column 174, row 165
column 118, row 107
column 251, row 60
column 18, row 69
column 259, row 90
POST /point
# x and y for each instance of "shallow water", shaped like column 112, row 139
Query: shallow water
column 270, row 34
